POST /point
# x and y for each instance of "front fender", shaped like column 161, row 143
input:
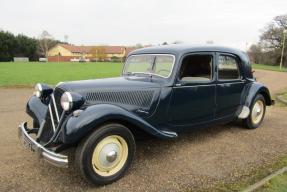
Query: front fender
column 255, row 88
column 92, row 117
column 36, row 109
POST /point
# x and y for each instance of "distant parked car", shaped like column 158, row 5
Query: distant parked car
column 82, row 60
column 162, row 91
column 75, row 60
column 43, row 59
column 21, row 59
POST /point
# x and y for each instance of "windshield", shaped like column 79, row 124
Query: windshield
column 159, row 65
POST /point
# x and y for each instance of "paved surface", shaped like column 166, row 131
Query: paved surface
column 276, row 81
column 194, row 161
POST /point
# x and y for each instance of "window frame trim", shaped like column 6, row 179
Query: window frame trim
column 187, row 83
column 238, row 64
column 154, row 55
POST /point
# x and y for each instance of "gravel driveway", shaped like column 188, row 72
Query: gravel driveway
column 194, row 161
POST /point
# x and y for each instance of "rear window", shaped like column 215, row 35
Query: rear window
column 228, row 68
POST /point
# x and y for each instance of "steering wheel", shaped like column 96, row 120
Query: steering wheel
column 163, row 70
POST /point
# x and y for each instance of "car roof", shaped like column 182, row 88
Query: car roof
column 179, row 49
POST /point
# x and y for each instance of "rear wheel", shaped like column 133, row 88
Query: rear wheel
column 106, row 154
column 257, row 113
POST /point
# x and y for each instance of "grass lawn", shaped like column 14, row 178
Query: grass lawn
column 277, row 184
column 29, row 73
column 268, row 67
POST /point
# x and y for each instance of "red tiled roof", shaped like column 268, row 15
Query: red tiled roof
column 87, row 49
column 129, row 49
column 76, row 49
column 114, row 49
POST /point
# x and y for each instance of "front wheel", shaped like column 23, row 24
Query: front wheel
column 105, row 155
column 257, row 113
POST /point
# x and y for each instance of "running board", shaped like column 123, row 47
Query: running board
column 170, row 134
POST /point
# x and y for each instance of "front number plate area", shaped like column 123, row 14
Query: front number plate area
column 28, row 144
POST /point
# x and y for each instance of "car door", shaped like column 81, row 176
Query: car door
column 229, row 85
column 193, row 95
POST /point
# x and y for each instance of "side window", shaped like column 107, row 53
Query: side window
column 227, row 68
column 196, row 68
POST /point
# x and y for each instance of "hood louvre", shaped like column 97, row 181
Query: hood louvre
column 140, row 98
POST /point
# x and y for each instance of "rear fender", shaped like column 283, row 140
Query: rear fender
column 92, row 117
column 255, row 88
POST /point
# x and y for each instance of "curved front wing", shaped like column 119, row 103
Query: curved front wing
column 92, row 117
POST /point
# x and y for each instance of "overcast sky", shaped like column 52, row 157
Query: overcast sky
column 127, row 22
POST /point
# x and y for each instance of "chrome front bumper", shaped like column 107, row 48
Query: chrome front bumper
column 56, row 159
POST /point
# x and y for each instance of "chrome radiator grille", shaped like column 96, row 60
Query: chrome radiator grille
column 52, row 118
column 53, row 112
column 141, row 98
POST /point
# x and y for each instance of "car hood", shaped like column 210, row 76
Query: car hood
column 136, row 94
column 109, row 83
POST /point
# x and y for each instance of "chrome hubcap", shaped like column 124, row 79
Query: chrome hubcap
column 257, row 112
column 110, row 155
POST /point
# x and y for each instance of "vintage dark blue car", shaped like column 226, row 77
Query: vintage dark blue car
column 163, row 91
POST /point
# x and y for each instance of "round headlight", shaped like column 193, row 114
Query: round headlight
column 42, row 90
column 67, row 101
column 38, row 90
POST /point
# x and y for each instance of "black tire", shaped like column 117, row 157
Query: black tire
column 248, row 122
column 84, row 153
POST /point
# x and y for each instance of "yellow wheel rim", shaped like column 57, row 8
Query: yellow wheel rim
column 257, row 112
column 110, row 155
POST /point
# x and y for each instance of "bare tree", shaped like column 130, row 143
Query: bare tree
column 98, row 53
column 165, row 43
column 269, row 48
column 178, row 42
column 66, row 38
column 46, row 42
column 271, row 37
column 209, row 42
column 138, row 45
column 255, row 53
